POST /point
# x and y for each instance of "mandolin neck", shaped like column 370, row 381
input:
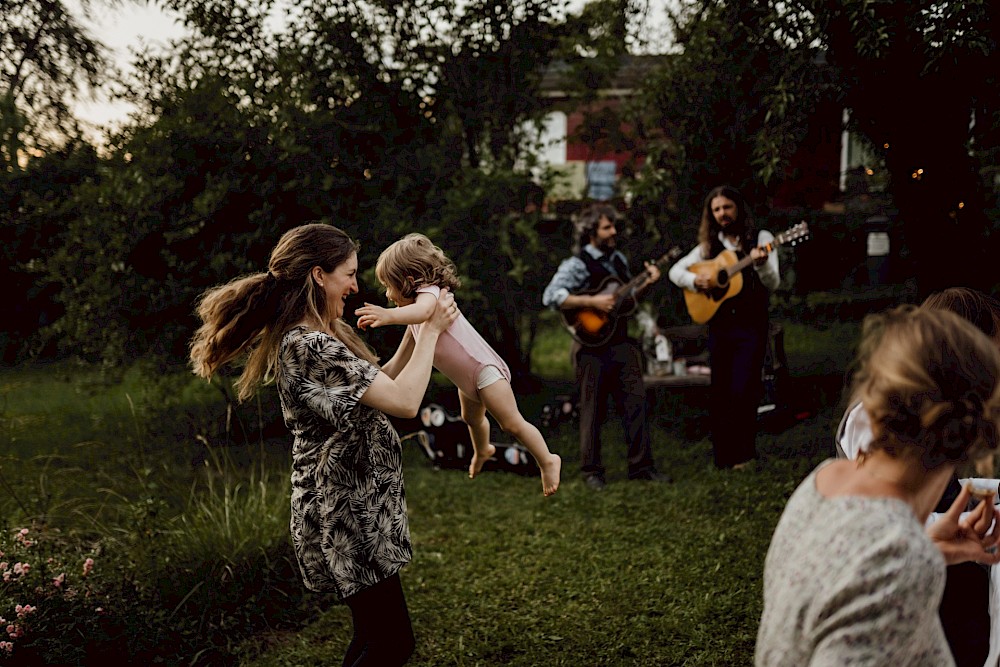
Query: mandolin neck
column 641, row 277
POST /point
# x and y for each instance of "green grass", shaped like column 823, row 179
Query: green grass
column 640, row 574
column 820, row 349
column 550, row 352
column 637, row 575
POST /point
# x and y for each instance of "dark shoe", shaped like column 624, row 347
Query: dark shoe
column 594, row 483
column 654, row 476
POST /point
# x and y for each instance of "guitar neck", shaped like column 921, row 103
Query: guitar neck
column 632, row 284
column 733, row 269
column 644, row 274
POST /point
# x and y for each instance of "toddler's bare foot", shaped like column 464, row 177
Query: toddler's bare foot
column 550, row 474
column 479, row 459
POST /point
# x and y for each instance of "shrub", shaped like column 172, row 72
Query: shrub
column 49, row 592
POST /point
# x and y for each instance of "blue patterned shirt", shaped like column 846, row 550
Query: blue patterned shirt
column 573, row 275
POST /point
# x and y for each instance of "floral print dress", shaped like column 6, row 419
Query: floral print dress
column 349, row 526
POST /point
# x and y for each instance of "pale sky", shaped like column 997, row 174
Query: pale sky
column 120, row 30
column 132, row 27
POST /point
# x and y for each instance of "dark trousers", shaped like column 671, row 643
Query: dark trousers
column 965, row 613
column 613, row 370
column 965, row 604
column 383, row 636
column 737, row 359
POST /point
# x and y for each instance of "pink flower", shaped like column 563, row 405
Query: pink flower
column 23, row 532
column 6, row 647
column 58, row 581
column 88, row 565
column 23, row 611
column 3, row 566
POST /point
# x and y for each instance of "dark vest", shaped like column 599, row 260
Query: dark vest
column 598, row 272
column 749, row 307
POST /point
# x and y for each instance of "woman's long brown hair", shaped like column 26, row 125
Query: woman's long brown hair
column 250, row 314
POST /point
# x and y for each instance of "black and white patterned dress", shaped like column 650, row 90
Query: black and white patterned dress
column 349, row 525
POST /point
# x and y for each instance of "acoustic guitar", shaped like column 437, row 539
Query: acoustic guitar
column 591, row 327
column 725, row 279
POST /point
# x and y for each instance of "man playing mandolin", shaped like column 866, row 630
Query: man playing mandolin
column 611, row 362
column 736, row 308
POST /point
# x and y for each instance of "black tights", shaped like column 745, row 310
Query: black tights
column 383, row 636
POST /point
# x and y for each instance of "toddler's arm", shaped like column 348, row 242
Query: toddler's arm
column 414, row 313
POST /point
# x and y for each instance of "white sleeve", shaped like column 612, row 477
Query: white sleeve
column 768, row 271
column 679, row 274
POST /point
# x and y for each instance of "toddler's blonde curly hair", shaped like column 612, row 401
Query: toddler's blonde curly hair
column 413, row 262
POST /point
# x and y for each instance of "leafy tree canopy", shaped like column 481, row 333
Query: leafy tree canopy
column 358, row 114
column 920, row 82
column 47, row 61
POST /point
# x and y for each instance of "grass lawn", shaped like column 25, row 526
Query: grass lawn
column 641, row 574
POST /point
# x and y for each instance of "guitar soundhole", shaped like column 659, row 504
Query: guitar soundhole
column 723, row 278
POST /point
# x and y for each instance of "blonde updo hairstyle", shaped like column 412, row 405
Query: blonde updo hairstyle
column 413, row 262
column 928, row 381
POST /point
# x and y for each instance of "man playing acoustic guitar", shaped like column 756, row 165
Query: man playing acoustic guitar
column 613, row 364
column 738, row 325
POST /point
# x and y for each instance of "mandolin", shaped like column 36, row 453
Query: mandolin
column 591, row 327
column 725, row 277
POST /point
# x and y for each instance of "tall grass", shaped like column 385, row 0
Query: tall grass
column 139, row 472
column 232, row 513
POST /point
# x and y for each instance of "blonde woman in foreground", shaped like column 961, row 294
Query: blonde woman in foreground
column 852, row 575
